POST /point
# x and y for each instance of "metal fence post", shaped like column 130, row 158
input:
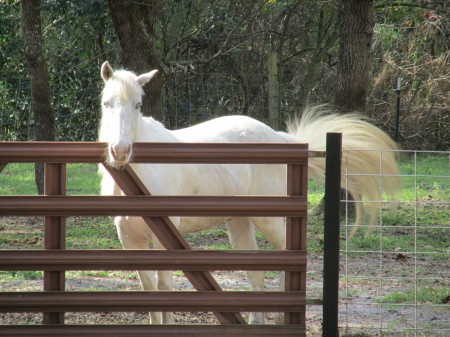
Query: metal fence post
column 331, row 235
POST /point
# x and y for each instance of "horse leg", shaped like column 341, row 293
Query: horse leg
column 164, row 282
column 242, row 236
column 274, row 229
column 146, row 278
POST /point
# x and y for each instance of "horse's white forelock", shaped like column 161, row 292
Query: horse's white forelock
column 123, row 84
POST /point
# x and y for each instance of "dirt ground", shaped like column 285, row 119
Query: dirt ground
column 361, row 314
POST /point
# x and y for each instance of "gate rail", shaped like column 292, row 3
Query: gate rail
column 55, row 260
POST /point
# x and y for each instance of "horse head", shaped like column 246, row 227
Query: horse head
column 121, row 111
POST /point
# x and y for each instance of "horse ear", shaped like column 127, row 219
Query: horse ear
column 106, row 71
column 144, row 78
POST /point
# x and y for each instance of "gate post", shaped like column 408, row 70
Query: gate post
column 297, row 185
column 331, row 235
column 54, row 235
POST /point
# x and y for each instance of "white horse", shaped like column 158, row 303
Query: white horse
column 122, row 124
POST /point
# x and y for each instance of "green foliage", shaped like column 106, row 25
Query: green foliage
column 214, row 54
column 11, row 44
column 14, row 87
column 77, row 38
column 411, row 42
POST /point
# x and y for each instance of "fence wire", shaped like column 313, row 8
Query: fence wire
column 189, row 99
column 394, row 280
column 395, row 276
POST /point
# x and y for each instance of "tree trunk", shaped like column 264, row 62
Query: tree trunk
column 356, row 20
column 44, row 123
column 135, row 26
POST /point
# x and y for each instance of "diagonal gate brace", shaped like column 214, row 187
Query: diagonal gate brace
column 170, row 237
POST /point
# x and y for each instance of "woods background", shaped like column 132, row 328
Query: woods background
column 265, row 59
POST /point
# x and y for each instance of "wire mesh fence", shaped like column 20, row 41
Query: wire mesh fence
column 394, row 280
column 75, row 106
column 395, row 276
column 189, row 98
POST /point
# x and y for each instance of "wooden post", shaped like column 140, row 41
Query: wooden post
column 397, row 115
column 54, row 235
column 274, row 101
column 331, row 236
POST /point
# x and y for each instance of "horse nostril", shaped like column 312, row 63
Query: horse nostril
column 119, row 153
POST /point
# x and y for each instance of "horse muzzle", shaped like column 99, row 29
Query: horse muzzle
column 119, row 154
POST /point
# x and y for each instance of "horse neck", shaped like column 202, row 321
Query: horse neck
column 150, row 130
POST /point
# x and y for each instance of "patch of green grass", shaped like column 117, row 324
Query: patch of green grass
column 83, row 274
column 434, row 295
column 21, row 275
column 272, row 274
column 316, row 192
column 101, row 273
column 431, row 164
column 82, row 179
column 92, row 233
column 214, row 238
column 426, row 175
column 314, row 243
column 422, row 240
column 424, row 207
column 93, row 273
column 18, row 179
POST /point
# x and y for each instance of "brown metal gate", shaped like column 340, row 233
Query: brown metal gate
column 55, row 260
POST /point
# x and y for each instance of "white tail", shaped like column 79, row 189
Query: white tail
column 370, row 172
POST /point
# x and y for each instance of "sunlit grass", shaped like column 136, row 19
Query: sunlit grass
column 18, row 179
column 432, row 295
column 424, row 179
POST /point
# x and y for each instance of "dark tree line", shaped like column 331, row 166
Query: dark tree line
column 346, row 52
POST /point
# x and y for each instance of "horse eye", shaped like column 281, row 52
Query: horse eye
column 138, row 106
column 106, row 104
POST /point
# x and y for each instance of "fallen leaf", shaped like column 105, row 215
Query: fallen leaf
column 446, row 300
column 400, row 258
